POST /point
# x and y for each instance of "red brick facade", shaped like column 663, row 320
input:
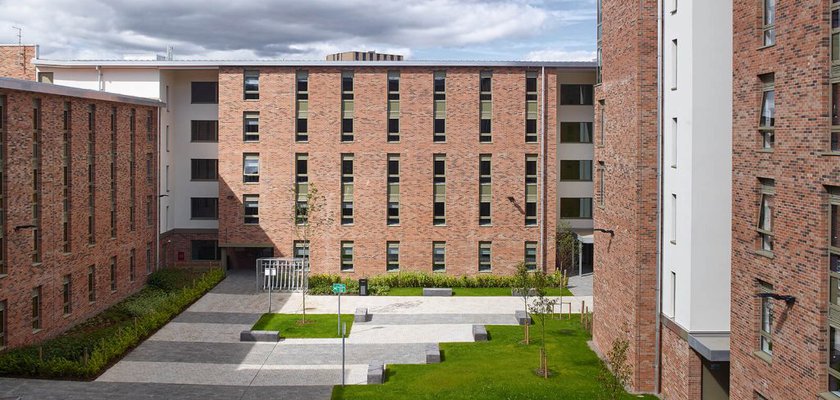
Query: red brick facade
column 24, row 273
column 16, row 62
column 176, row 247
column 370, row 232
column 625, row 264
column 802, row 169
column 681, row 366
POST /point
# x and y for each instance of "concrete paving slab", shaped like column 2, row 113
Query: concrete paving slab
column 439, row 319
column 355, row 353
column 429, row 333
column 198, row 352
column 183, row 373
column 218, row 318
column 316, row 375
column 198, row 332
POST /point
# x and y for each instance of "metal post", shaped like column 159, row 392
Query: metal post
column 580, row 258
column 339, row 315
column 343, row 333
column 270, row 284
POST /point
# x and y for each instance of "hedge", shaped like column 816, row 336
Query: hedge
column 86, row 350
column 322, row 283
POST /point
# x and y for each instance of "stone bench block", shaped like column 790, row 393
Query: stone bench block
column 376, row 373
column 432, row 354
column 523, row 318
column 479, row 333
column 437, row 291
column 259, row 336
column 518, row 292
column 361, row 315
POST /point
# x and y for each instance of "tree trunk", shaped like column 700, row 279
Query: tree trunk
column 527, row 333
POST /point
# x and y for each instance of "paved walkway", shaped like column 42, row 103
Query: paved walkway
column 581, row 285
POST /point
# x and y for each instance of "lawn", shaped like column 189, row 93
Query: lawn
column 496, row 291
column 317, row 325
column 501, row 368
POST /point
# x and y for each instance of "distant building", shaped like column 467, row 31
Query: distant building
column 363, row 56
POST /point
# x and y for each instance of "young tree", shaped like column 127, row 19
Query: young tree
column 309, row 219
column 615, row 373
column 522, row 288
column 542, row 309
column 565, row 242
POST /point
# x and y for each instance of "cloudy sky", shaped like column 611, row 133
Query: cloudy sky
column 305, row 29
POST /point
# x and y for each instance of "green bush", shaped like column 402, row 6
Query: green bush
column 84, row 351
column 321, row 284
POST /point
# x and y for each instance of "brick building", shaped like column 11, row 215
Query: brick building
column 16, row 61
column 77, row 208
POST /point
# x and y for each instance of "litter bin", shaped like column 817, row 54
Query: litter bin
column 363, row 287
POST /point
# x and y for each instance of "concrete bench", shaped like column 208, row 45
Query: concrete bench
column 432, row 354
column 361, row 315
column 376, row 373
column 479, row 333
column 437, row 291
column 523, row 318
column 518, row 292
column 259, row 336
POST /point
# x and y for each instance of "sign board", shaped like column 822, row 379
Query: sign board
column 339, row 288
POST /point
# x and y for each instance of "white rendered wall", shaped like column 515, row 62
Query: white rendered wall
column 701, row 178
column 574, row 151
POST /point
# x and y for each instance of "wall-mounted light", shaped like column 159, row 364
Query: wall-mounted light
column 788, row 299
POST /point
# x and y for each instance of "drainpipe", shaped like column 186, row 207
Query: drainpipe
column 543, row 151
column 660, row 25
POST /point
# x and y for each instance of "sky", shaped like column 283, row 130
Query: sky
column 538, row 30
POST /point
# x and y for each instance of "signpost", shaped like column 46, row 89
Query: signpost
column 339, row 288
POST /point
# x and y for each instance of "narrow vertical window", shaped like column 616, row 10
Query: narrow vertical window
column 150, row 125
column 251, row 167
column 67, row 294
column 440, row 106
column 3, row 324
column 484, row 257
column 602, row 184
column 91, row 160
column 766, row 328
column 765, row 214
column 531, row 256
column 300, row 249
column 251, row 127
column 602, row 122
column 346, row 256
column 438, row 256
column 674, row 59
column 3, row 265
column 66, row 178
column 485, row 193
column 673, row 305
column 347, row 106
column 531, row 107
column 393, row 189
column 531, row 189
column 251, row 84
column 113, row 274
column 132, row 171
column 36, row 309
column 674, row 137
column 91, row 283
column 393, row 257
column 150, row 211
column 301, row 188
column 302, row 105
column 767, row 116
column 834, row 289
column 769, row 26
column 36, row 182
column 485, row 98
column 132, row 265
column 251, row 204
column 673, row 218
column 439, row 190
column 113, row 173
column 347, row 189
column 149, row 259
column 835, row 112
column 393, row 106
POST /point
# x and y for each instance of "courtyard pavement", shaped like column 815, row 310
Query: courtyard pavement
column 199, row 355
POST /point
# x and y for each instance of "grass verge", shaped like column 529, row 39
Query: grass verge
column 501, row 368
column 317, row 326
column 474, row 292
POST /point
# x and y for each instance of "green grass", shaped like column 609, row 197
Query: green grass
column 501, row 368
column 501, row 291
column 317, row 325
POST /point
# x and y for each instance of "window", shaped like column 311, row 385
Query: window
column 438, row 256
column 3, row 324
column 346, row 256
column 393, row 106
column 150, row 125
column 204, row 169
column 132, row 177
column 673, row 305
column 531, row 189
column 251, row 127
column 302, row 107
column 204, row 208
column 767, row 118
column 766, row 330
column 393, row 257
column 439, row 190
column 673, row 218
column 302, row 188
column 674, row 136
column 205, row 250
column 204, row 93
column 393, row 189
column 576, row 207
column 485, row 192
column 91, row 281
column 531, row 256
column 251, row 204
column 602, row 122
column 113, row 274
column 765, row 214
column 67, row 294
column 251, row 85
column 576, row 95
column 576, row 170
column 204, row 131
column 45, row 77
column 599, row 23
column 531, row 108
column 132, row 264
column 440, row 106
column 835, row 109
column 769, row 27
column 3, row 266
column 485, row 98
column 674, row 55
column 36, row 309
column 346, row 189
column 149, row 259
column 251, row 168
column 575, row 132
column 36, row 181
column 91, row 160
column 150, row 168
column 347, row 106
column 484, row 257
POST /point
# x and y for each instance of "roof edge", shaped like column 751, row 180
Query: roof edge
column 307, row 63
column 48, row 88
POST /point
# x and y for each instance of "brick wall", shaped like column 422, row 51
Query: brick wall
column 801, row 169
column 16, row 62
column 23, row 274
column 681, row 367
column 416, row 148
column 625, row 265
column 176, row 247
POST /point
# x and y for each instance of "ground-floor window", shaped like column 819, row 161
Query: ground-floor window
column 205, row 250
